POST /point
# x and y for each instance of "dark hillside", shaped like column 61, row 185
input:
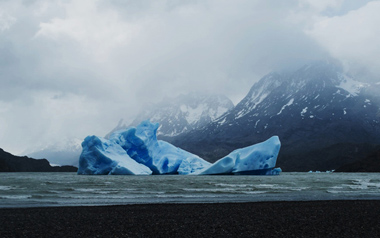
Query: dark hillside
column 12, row 163
column 370, row 163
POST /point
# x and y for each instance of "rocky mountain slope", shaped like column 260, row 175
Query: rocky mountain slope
column 318, row 112
column 183, row 113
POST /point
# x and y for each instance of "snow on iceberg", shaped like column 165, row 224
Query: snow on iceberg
column 136, row 151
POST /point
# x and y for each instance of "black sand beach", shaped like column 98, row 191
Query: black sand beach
column 261, row 219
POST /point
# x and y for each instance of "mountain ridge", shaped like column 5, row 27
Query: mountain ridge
column 311, row 109
column 319, row 112
column 182, row 113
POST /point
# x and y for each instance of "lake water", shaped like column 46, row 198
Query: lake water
column 70, row 189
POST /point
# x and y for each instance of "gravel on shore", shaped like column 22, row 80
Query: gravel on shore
column 259, row 219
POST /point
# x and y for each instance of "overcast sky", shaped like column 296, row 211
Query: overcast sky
column 71, row 68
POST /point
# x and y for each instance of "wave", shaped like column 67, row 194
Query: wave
column 15, row 196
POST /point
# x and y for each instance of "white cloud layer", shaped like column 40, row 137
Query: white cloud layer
column 73, row 68
column 353, row 38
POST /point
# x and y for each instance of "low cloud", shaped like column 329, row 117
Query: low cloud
column 353, row 38
column 73, row 68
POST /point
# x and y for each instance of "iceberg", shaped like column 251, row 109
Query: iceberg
column 100, row 156
column 192, row 165
column 258, row 159
column 136, row 151
column 161, row 157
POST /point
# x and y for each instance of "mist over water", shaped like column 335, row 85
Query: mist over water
column 69, row 189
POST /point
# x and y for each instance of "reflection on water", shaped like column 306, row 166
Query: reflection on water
column 68, row 189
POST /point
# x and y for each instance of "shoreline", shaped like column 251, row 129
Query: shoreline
column 327, row 218
column 53, row 205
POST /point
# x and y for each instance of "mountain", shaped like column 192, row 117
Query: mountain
column 12, row 163
column 319, row 112
column 177, row 115
column 183, row 113
column 370, row 163
column 63, row 152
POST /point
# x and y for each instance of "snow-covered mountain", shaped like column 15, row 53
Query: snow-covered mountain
column 315, row 108
column 324, row 117
column 64, row 152
column 183, row 113
column 315, row 92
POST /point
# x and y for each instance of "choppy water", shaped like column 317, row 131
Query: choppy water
column 68, row 189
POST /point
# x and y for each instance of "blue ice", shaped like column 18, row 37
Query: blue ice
column 136, row 151
column 255, row 159
column 101, row 156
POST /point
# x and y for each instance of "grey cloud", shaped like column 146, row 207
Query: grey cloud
column 74, row 68
column 347, row 6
